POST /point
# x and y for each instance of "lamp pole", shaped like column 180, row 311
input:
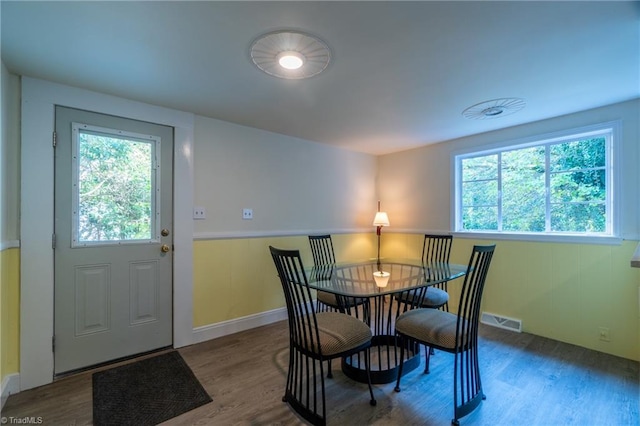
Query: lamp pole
column 378, row 232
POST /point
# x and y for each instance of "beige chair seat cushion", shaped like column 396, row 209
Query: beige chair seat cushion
column 327, row 298
column 429, row 326
column 434, row 298
column 341, row 333
column 330, row 299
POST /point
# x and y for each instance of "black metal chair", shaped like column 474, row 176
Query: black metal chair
column 435, row 249
column 457, row 334
column 323, row 255
column 324, row 259
column 314, row 337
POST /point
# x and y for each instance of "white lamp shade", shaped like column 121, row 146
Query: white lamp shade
column 382, row 278
column 381, row 219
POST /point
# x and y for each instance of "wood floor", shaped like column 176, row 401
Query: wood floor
column 528, row 380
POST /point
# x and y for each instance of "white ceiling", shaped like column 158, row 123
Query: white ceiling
column 401, row 72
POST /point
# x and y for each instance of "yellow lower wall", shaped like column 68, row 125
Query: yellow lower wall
column 9, row 312
column 562, row 291
column 234, row 278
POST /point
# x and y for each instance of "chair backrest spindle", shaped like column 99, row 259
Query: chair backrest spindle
column 471, row 293
column 300, row 304
column 322, row 250
column 436, row 248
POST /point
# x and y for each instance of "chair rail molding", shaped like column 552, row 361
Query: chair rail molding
column 635, row 260
column 8, row 244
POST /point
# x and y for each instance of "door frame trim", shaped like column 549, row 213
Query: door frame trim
column 39, row 99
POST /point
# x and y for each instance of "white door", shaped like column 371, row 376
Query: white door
column 113, row 238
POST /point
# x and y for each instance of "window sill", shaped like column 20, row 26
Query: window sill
column 543, row 238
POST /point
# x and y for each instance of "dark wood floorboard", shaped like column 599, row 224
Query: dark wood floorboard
column 528, row 380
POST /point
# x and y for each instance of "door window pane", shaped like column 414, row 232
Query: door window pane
column 114, row 187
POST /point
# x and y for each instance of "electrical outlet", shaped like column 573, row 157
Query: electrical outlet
column 247, row 214
column 199, row 213
column 604, row 334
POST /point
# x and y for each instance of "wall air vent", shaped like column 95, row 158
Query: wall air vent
column 501, row 322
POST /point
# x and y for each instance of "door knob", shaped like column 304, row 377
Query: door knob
column 164, row 232
column 165, row 248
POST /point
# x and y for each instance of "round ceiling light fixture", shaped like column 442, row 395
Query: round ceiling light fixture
column 494, row 108
column 290, row 54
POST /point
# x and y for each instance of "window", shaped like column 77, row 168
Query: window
column 560, row 185
column 115, row 187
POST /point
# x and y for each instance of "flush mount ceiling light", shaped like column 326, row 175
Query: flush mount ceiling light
column 494, row 108
column 290, row 54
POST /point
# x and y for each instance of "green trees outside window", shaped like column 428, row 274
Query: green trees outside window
column 115, row 188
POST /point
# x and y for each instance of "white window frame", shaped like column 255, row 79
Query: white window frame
column 613, row 155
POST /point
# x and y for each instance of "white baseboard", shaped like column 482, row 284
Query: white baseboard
column 213, row 331
column 10, row 385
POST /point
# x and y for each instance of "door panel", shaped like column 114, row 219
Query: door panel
column 144, row 290
column 92, row 303
column 113, row 194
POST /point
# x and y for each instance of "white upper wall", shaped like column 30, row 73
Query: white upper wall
column 293, row 186
column 9, row 159
column 416, row 189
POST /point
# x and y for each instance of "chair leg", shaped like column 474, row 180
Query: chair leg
column 329, row 373
column 427, row 356
column 367, row 360
column 402, row 343
column 428, row 352
column 432, row 351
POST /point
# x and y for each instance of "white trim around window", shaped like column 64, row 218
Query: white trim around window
column 613, row 154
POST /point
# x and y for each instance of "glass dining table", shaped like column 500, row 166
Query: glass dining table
column 378, row 303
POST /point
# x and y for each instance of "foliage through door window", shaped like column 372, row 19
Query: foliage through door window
column 114, row 187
